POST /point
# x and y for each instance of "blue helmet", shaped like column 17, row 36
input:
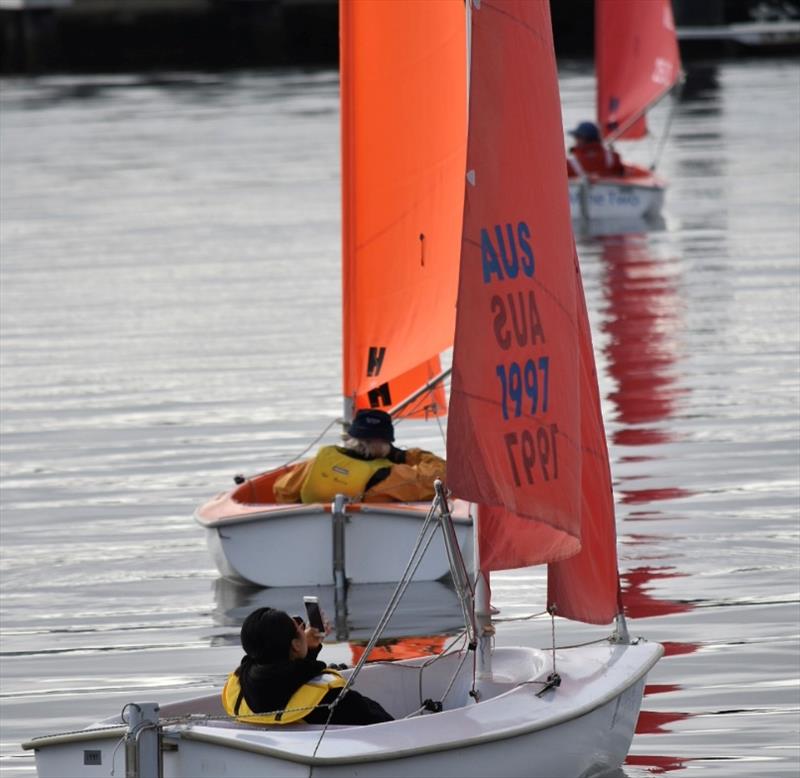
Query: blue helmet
column 586, row 131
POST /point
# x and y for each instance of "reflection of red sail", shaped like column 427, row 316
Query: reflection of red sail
column 400, row 648
column 655, row 723
column 672, row 648
column 642, row 317
column 641, row 322
column 652, row 722
column 639, row 603
column 635, row 496
column 661, row 688
column 657, row 765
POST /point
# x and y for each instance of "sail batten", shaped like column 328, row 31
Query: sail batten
column 525, row 438
column 403, row 87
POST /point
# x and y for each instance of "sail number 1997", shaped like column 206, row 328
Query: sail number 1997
column 524, row 388
column 526, row 450
column 524, row 392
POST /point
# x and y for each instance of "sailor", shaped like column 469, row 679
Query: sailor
column 589, row 156
column 367, row 467
column 280, row 680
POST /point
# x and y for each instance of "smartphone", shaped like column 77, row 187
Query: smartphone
column 314, row 613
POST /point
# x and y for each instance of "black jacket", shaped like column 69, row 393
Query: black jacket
column 268, row 687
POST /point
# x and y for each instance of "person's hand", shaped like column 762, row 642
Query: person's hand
column 314, row 637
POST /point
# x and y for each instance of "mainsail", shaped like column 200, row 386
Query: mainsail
column 403, row 97
column 637, row 62
column 525, row 435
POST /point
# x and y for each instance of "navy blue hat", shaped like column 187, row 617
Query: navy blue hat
column 372, row 425
column 586, row 131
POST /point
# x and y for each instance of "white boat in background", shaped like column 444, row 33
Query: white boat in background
column 428, row 608
column 295, row 545
column 403, row 125
column 637, row 194
column 637, row 63
column 525, row 443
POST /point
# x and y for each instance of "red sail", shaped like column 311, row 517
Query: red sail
column 637, row 62
column 403, row 97
column 586, row 586
column 525, row 436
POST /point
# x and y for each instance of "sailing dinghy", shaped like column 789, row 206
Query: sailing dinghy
column 525, row 443
column 403, row 139
column 637, row 63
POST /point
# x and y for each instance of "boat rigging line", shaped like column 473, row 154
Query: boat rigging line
column 676, row 96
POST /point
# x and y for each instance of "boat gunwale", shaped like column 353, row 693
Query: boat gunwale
column 413, row 511
column 114, row 731
column 649, row 184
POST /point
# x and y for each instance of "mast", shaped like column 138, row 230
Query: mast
column 482, row 600
column 347, row 152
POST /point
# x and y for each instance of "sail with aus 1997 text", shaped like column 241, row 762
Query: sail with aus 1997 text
column 525, row 433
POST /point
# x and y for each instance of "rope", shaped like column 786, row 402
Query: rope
column 663, row 140
column 442, row 433
column 114, row 755
column 304, row 451
column 424, row 538
column 520, row 618
column 313, row 442
column 551, row 609
column 464, row 656
column 420, row 547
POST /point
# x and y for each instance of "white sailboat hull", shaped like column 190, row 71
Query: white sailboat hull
column 616, row 198
column 293, row 545
column 584, row 727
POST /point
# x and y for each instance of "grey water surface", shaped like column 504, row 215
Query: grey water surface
column 169, row 312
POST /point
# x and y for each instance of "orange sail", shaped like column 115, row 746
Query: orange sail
column 637, row 62
column 403, row 97
column 525, row 436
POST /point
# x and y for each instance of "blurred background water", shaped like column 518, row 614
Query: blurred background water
column 169, row 316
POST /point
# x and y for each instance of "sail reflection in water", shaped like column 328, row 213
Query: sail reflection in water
column 643, row 322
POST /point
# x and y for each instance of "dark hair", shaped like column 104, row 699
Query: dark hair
column 267, row 635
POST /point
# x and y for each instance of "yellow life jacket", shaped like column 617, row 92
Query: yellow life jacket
column 300, row 704
column 334, row 472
